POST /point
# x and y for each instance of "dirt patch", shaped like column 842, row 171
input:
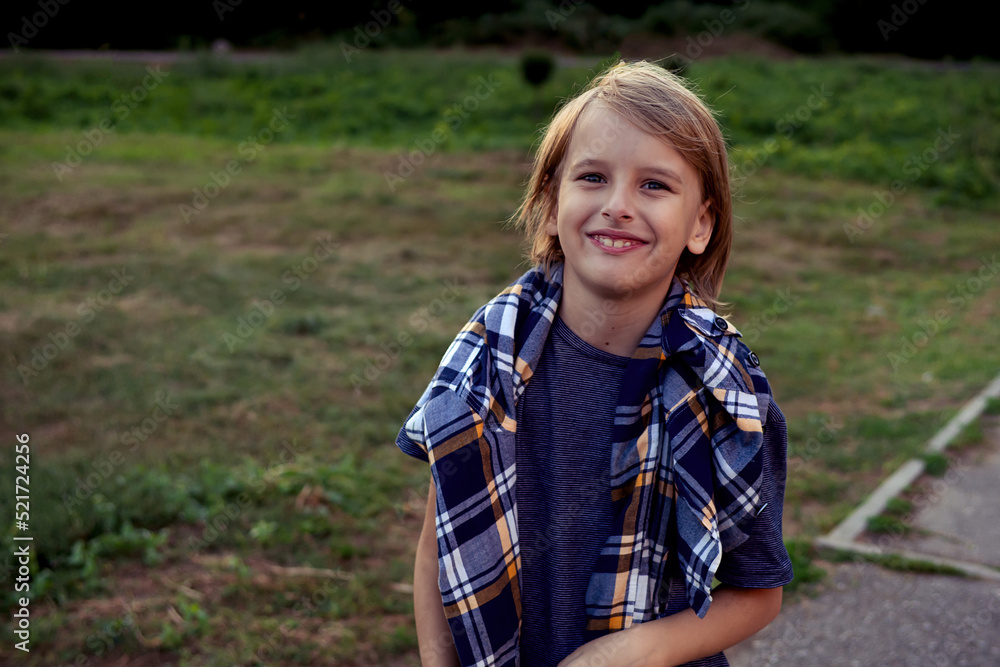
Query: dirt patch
column 143, row 600
column 68, row 214
column 764, row 246
column 8, row 322
column 149, row 304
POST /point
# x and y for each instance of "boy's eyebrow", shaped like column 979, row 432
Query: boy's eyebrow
column 666, row 173
column 661, row 171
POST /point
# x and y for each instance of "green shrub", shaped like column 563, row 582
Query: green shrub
column 537, row 67
column 935, row 464
column 894, row 520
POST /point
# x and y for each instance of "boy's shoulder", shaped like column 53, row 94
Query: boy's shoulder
column 731, row 353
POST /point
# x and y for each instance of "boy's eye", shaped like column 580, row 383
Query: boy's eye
column 656, row 185
column 651, row 185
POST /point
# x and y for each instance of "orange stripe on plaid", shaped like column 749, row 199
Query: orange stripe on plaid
column 508, row 423
column 627, row 548
column 477, row 328
column 479, row 598
column 513, row 564
column 522, row 368
column 744, row 424
column 457, row 441
column 648, row 353
column 708, row 513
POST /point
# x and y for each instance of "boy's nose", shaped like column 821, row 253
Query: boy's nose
column 618, row 205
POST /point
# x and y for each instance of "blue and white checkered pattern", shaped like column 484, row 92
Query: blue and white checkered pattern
column 687, row 446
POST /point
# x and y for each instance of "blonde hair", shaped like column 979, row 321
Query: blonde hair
column 657, row 102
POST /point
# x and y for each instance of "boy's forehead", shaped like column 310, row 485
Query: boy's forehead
column 600, row 119
column 597, row 129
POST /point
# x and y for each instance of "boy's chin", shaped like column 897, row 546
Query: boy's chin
column 624, row 290
column 630, row 279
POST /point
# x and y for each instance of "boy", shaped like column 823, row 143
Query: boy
column 602, row 445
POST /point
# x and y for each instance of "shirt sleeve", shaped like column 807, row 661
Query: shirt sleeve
column 406, row 440
column 762, row 560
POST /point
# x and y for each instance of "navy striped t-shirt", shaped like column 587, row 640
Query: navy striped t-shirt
column 564, row 516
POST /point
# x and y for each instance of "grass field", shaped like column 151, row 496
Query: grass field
column 214, row 322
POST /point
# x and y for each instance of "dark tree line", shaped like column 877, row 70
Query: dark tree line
column 919, row 28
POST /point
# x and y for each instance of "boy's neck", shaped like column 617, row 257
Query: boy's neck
column 615, row 326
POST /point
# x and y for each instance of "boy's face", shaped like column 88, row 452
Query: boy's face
column 628, row 206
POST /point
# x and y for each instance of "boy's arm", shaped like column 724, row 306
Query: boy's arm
column 437, row 648
column 735, row 614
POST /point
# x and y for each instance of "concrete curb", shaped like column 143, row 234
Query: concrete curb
column 844, row 535
column 967, row 568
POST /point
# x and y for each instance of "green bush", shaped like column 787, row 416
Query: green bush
column 537, row 67
column 935, row 464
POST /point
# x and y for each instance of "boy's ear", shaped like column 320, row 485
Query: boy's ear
column 701, row 233
column 551, row 226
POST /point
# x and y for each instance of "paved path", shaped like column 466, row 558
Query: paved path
column 867, row 615
column 871, row 616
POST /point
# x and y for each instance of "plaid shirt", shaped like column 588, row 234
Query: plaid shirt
column 687, row 440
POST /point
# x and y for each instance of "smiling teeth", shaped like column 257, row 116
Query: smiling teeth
column 617, row 243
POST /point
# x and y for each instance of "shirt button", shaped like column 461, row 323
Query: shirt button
column 721, row 323
column 754, row 361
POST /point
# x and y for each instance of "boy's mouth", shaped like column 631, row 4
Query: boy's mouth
column 615, row 242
